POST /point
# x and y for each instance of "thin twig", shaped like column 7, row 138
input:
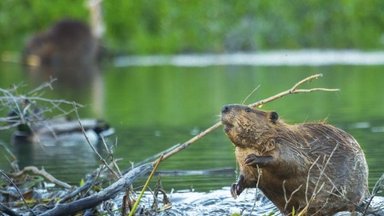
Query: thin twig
column 310, row 78
column 315, row 190
column 294, row 90
column 376, row 189
column 322, row 172
column 88, row 184
column 43, row 86
column 8, row 150
column 307, row 182
column 290, row 196
column 110, row 153
column 42, row 173
column 18, row 191
column 250, row 94
column 190, row 141
column 7, row 210
column 93, row 147
column 257, row 186
column 25, row 106
column 145, row 186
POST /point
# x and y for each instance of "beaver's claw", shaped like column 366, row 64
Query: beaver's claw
column 260, row 161
column 238, row 187
column 235, row 190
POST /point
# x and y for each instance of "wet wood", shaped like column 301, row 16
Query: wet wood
column 106, row 194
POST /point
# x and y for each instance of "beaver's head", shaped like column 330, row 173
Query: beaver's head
column 248, row 127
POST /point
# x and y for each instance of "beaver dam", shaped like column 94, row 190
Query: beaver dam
column 157, row 184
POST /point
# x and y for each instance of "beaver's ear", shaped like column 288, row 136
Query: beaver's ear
column 273, row 116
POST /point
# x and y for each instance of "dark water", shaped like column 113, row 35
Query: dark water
column 153, row 108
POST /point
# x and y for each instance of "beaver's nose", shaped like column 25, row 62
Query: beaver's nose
column 225, row 109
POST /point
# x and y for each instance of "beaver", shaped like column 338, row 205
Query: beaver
column 314, row 167
column 66, row 39
column 67, row 51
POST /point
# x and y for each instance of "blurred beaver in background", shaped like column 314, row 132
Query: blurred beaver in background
column 67, row 51
column 313, row 167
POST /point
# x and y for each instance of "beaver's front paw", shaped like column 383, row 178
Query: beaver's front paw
column 258, row 161
column 238, row 187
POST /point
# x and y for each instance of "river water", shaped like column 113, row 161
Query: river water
column 153, row 107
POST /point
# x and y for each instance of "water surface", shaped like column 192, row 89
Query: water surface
column 155, row 107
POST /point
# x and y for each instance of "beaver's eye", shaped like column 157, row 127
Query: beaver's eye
column 274, row 117
column 248, row 110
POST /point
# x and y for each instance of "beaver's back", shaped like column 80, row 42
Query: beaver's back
column 328, row 165
column 340, row 158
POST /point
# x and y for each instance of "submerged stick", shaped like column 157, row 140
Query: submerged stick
column 293, row 90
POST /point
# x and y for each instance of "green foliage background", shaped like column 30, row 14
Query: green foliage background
column 179, row 26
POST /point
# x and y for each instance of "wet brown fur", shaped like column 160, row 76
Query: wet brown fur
column 310, row 164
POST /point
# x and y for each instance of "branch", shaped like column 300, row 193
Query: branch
column 379, row 185
column 88, row 184
column 7, row 210
column 18, row 191
column 42, row 173
column 93, row 147
column 294, row 90
column 145, row 187
column 96, row 199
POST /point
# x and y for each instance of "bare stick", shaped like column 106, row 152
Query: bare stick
column 110, row 153
column 375, row 191
column 250, row 94
column 43, row 86
column 42, row 173
column 190, row 141
column 88, row 184
column 290, row 196
column 257, row 186
column 18, row 191
column 145, row 187
column 7, row 150
column 7, row 211
column 22, row 105
column 314, row 194
column 294, row 90
column 93, row 147
column 105, row 194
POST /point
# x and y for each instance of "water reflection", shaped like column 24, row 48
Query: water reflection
column 60, row 143
column 153, row 108
column 77, row 155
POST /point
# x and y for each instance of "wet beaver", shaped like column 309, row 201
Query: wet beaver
column 67, row 39
column 312, row 166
